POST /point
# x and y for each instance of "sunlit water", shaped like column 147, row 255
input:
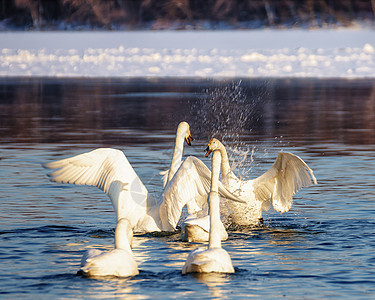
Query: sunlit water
column 322, row 248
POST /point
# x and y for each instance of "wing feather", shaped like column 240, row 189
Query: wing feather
column 186, row 185
column 106, row 168
column 288, row 174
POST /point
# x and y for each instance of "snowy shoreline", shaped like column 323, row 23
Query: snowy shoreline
column 342, row 53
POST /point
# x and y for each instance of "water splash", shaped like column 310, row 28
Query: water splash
column 223, row 113
column 231, row 113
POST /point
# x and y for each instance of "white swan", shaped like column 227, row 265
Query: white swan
column 288, row 174
column 116, row 262
column 215, row 258
column 109, row 170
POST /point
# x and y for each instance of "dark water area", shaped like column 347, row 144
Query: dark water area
column 92, row 110
column 322, row 248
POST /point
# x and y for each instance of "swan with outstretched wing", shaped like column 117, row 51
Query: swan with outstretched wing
column 109, row 170
column 288, row 174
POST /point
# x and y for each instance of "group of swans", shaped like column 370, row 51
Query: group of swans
column 187, row 183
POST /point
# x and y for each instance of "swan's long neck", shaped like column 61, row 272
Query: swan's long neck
column 177, row 154
column 214, row 203
column 123, row 235
column 225, row 167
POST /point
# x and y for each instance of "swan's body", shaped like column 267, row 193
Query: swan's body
column 215, row 258
column 288, row 174
column 117, row 262
column 197, row 229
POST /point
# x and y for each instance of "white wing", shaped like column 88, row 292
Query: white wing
column 191, row 182
column 105, row 168
column 165, row 174
column 288, row 175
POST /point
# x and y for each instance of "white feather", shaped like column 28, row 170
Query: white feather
column 287, row 176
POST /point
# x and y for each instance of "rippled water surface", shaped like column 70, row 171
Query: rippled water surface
column 322, row 248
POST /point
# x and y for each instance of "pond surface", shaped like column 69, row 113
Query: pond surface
column 322, row 248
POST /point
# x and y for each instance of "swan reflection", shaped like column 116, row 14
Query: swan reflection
column 215, row 283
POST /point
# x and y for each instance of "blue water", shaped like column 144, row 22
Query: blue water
column 322, row 248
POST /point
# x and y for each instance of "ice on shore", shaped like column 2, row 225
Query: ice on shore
column 224, row 54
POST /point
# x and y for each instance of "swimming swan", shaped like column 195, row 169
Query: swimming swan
column 288, row 174
column 109, row 170
column 117, row 262
column 215, row 258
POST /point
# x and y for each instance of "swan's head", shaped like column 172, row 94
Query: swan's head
column 213, row 144
column 184, row 128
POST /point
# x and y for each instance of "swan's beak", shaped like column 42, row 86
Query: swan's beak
column 208, row 151
column 188, row 139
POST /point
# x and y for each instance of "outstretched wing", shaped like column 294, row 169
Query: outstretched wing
column 105, row 168
column 191, row 183
column 288, row 174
